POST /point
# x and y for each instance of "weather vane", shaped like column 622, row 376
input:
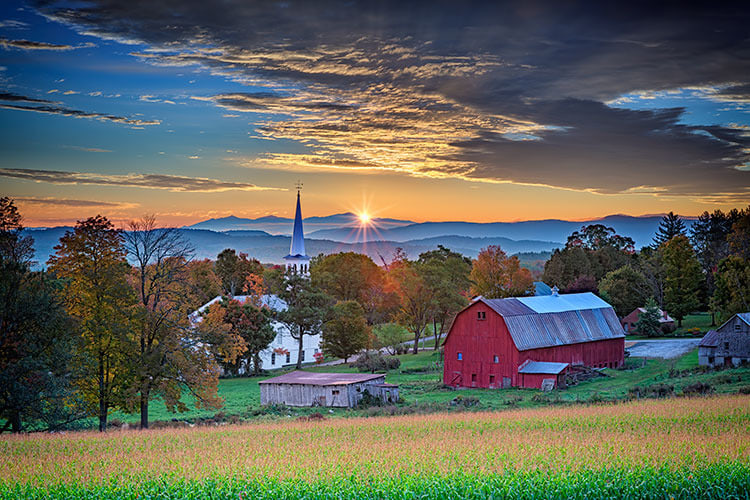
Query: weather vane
column 298, row 185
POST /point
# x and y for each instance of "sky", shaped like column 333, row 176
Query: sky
column 475, row 111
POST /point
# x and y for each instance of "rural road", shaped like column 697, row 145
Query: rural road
column 666, row 348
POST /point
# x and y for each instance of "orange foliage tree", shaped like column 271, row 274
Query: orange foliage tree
column 494, row 275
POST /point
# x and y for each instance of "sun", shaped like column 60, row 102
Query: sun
column 364, row 218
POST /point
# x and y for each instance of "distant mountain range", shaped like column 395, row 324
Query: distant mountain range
column 267, row 238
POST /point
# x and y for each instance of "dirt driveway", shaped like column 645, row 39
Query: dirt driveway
column 666, row 348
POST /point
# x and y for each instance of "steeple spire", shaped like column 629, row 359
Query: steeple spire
column 297, row 259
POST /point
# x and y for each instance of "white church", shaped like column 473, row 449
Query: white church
column 283, row 350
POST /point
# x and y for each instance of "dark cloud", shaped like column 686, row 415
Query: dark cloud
column 490, row 91
column 150, row 181
column 9, row 96
column 61, row 202
column 30, row 45
column 76, row 113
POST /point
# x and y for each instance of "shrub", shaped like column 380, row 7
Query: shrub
column 652, row 391
column 375, row 361
column 698, row 388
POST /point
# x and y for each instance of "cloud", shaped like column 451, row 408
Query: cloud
column 10, row 96
column 486, row 92
column 59, row 110
column 73, row 203
column 88, row 150
column 13, row 24
column 149, row 181
column 30, row 45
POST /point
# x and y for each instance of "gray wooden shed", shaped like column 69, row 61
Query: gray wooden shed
column 727, row 345
column 300, row 388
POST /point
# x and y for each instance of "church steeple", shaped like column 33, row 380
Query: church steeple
column 297, row 259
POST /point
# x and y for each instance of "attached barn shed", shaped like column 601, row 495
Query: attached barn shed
column 300, row 388
column 492, row 340
column 727, row 345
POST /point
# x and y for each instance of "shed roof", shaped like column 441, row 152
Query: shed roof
column 544, row 367
column 314, row 378
column 552, row 320
column 711, row 339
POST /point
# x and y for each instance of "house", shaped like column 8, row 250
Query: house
column 284, row 349
column 727, row 345
column 665, row 321
column 346, row 390
column 523, row 341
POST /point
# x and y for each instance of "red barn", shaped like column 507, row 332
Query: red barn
column 520, row 342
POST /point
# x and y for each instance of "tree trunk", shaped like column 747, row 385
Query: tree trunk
column 256, row 363
column 679, row 322
column 15, row 422
column 713, row 318
column 415, row 350
column 102, row 396
column 299, row 351
column 144, row 409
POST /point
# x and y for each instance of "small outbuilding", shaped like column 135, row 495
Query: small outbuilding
column 542, row 374
column 727, row 345
column 346, row 390
column 666, row 322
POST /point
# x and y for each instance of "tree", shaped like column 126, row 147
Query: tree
column 648, row 321
column 164, row 364
column 651, row 265
column 202, row 282
column 732, row 293
column 494, row 275
column 683, row 277
column 597, row 236
column 671, row 225
column 37, row 338
column 351, row 276
column 91, row 261
column 388, row 336
column 415, row 298
column 583, row 283
column 307, row 309
column 233, row 269
column 346, row 333
column 625, row 289
column 446, row 274
column 739, row 238
column 565, row 266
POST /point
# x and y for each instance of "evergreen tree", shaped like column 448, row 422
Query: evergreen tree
column 670, row 226
column 683, row 277
column 648, row 321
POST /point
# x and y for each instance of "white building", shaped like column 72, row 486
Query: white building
column 284, row 349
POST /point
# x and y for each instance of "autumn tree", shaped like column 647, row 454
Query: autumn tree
column 671, row 225
column 37, row 338
column 494, row 275
column 251, row 321
column 203, row 284
column 232, row 269
column 683, row 277
column 446, row 274
column 346, row 332
column 732, row 292
column 307, row 309
column 648, row 323
column 415, row 298
column 91, row 261
column 625, row 289
column 739, row 238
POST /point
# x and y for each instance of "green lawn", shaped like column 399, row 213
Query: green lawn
column 420, row 381
column 701, row 321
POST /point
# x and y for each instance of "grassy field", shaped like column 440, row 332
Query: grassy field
column 679, row 448
column 422, row 391
column 700, row 321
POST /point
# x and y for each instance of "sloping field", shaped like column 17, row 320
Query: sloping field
column 681, row 448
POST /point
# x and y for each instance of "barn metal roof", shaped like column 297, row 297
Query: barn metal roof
column 545, row 367
column 711, row 339
column 314, row 378
column 549, row 321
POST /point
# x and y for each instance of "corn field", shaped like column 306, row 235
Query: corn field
column 676, row 448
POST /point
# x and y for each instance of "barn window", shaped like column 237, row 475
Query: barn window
column 302, row 354
column 496, row 359
column 335, row 393
column 460, row 356
column 492, row 380
column 288, row 357
column 481, row 315
column 737, row 327
column 726, row 345
column 473, row 377
column 273, row 358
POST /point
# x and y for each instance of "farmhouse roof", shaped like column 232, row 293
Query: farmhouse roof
column 314, row 378
column 544, row 367
column 553, row 320
column 663, row 316
column 711, row 339
column 272, row 302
